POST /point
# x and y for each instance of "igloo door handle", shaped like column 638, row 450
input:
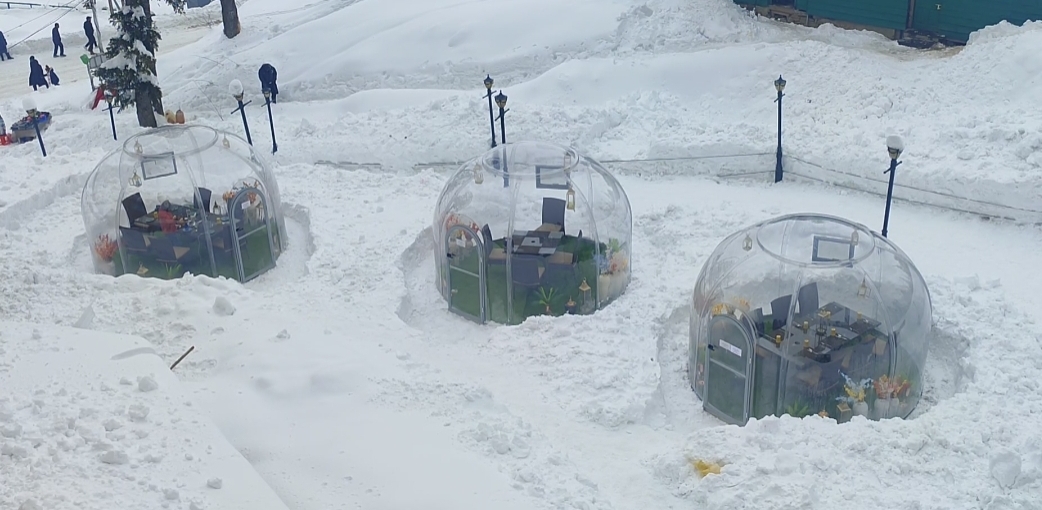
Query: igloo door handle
column 711, row 347
column 454, row 291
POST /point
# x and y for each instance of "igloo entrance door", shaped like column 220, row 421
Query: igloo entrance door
column 729, row 366
column 466, row 276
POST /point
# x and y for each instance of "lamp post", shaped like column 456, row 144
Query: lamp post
column 501, row 102
column 236, row 90
column 491, row 120
column 30, row 108
column 271, row 121
column 779, row 85
column 894, row 146
column 111, row 107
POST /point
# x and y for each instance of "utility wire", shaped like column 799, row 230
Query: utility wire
column 47, row 11
column 66, row 13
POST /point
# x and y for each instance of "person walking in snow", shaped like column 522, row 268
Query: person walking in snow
column 51, row 75
column 88, row 28
column 56, row 38
column 268, row 77
column 3, row 48
column 36, row 76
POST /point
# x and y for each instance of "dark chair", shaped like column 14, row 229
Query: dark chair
column 204, row 195
column 493, row 254
column 164, row 251
column 133, row 241
column 780, row 310
column 553, row 212
column 756, row 317
column 135, row 207
column 808, row 298
column 560, row 271
column 525, row 271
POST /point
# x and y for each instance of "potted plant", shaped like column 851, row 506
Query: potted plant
column 547, row 298
column 798, row 409
column 888, row 391
column 855, row 394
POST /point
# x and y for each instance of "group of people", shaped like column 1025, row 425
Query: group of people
column 88, row 30
column 41, row 76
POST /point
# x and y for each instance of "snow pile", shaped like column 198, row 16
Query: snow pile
column 96, row 421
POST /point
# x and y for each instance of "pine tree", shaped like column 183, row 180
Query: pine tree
column 130, row 60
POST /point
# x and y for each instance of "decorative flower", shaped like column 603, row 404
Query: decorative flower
column 105, row 248
column 891, row 388
column 855, row 390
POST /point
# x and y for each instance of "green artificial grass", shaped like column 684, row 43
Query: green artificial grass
column 465, row 295
column 256, row 257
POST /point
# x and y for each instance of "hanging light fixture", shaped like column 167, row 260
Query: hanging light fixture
column 137, row 148
column 862, row 290
column 570, row 198
column 135, row 180
column 853, row 238
column 226, row 143
column 479, row 176
column 747, row 244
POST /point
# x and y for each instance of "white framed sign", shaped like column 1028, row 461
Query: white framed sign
column 162, row 165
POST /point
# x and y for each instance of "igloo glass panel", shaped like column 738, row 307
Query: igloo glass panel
column 841, row 318
column 614, row 222
column 529, row 206
column 169, row 195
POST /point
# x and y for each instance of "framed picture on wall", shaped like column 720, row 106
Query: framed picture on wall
column 832, row 249
column 161, row 165
column 550, row 177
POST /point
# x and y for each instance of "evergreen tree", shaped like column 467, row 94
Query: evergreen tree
column 130, row 60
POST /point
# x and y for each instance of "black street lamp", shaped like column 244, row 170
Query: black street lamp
column 236, row 90
column 492, row 121
column 501, row 102
column 894, row 146
column 779, row 85
column 271, row 121
column 112, row 116
column 30, row 108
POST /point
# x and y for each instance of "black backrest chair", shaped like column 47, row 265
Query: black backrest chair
column 525, row 271
column 135, row 207
column 204, row 195
column 808, row 298
column 780, row 310
column 553, row 211
column 132, row 240
column 486, row 239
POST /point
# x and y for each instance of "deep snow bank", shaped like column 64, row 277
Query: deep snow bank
column 92, row 420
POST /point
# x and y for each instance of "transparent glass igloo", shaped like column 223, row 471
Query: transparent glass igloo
column 809, row 314
column 183, row 199
column 531, row 229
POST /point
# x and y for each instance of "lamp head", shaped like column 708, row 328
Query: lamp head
column 501, row 100
column 235, row 89
column 29, row 105
column 488, row 82
column 267, row 93
column 895, row 146
column 779, row 84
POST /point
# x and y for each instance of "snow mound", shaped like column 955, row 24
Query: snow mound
column 93, row 421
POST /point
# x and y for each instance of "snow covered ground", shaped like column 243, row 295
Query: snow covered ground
column 93, row 420
column 344, row 381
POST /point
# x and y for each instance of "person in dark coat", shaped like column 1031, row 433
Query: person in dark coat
column 268, row 78
column 51, row 75
column 36, row 76
column 56, row 38
column 3, row 48
column 88, row 28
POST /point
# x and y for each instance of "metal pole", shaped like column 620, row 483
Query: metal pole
column 778, row 163
column 36, row 126
column 889, row 193
column 491, row 118
column 502, row 125
column 112, row 119
column 271, row 122
column 245, row 125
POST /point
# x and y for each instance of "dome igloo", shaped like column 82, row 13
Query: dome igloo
column 531, row 229
column 183, row 199
column 809, row 314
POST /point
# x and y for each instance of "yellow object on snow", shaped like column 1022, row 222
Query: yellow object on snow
column 706, row 468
